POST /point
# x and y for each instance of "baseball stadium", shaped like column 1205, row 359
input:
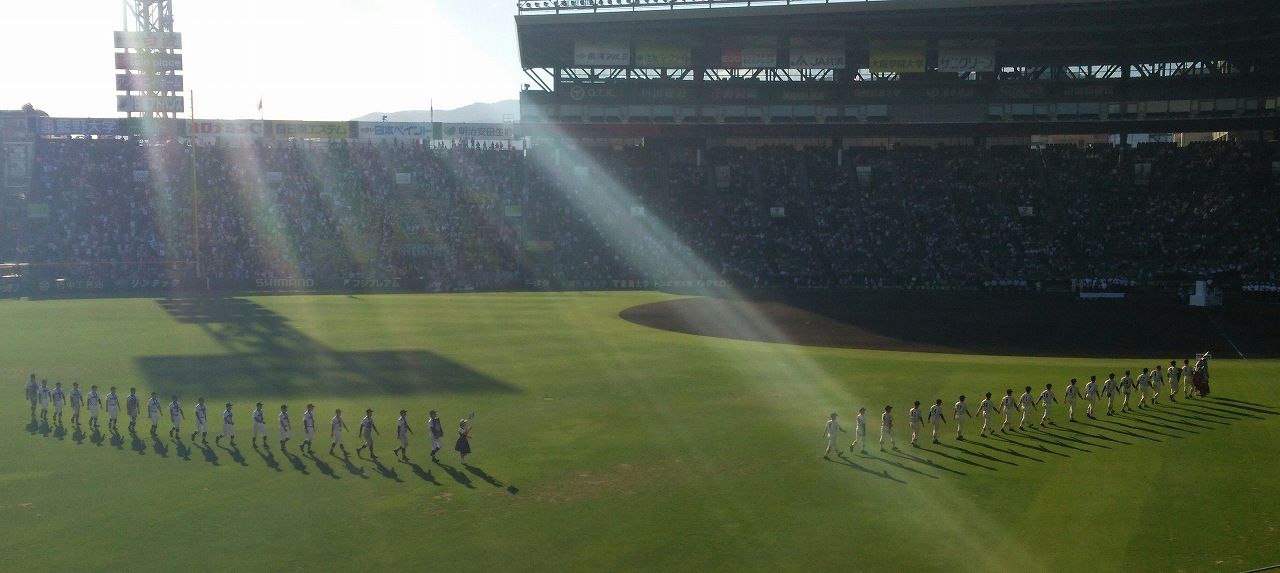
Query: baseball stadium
column 727, row 296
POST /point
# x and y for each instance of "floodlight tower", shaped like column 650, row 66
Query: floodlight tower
column 149, row 61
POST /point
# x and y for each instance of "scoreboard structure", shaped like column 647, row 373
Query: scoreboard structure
column 876, row 68
column 148, row 61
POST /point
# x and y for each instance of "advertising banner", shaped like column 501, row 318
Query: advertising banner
column 960, row 56
column 310, row 129
column 14, row 125
column 224, row 128
column 148, row 83
column 602, row 52
column 150, row 104
column 897, row 57
column 750, row 52
column 663, row 56
column 392, row 130
column 149, row 62
column 64, row 127
column 478, row 130
column 148, row 40
column 817, row 53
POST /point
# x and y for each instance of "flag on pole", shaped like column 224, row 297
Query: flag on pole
column 259, row 104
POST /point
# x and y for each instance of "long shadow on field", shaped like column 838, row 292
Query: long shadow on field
column 455, row 474
column 1216, row 410
column 1128, row 430
column 355, row 471
column 389, row 473
column 939, row 452
column 295, row 461
column 1176, row 410
column 1009, row 451
column 1010, row 438
column 158, row 446
column 78, row 435
column 117, row 441
column 34, row 426
column 1069, row 435
column 976, row 454
column 894, row 463
column 325, row 469
column 136, row 443
column 181, row 449
column 207, row 451
column 1041, row 435
column 60, row 432
column 234, row 452
column 1169, row 417
column 97, row 438
column 268, row 458
column 263, row 353
column 842, row 460
column 928, row 463
column 484, row 476
column 1134, row 417
column 1075, row 430
column 1252, row 406
column 425, row 474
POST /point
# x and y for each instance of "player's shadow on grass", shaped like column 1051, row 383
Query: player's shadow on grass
column 350, row 467
column 842, row 460
column 929, row 463
column 1044, row 436
column 1177, row 411
column 117, row 441
column 976, row 454
column 33, row 427
column 263, row 353
column 423, row 473
column 455, row 474
column 1139, row 419
column 893, row 463
column 484, row 476
column 323, row 468
column 1169, row 417
column 181, row 449
column 207, row 451
column 938, row 451
column 1216, row 410
column 158, row 446
column 1041, row 447
column 44, row 429
column 78, row 435
column 1075, row 430
column 234, row 452
column 97, row 438
column 268, row 458
column 1251, row 406
column 136, row 444
column 1066, row 434
column 389, row 473
column 295, row 461
column 1009, row 451
column 60, row 431
column 1128, row 430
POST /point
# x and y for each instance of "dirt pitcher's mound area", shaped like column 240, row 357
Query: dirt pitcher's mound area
column 974, row 323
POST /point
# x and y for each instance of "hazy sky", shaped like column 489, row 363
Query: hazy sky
column 306, row 59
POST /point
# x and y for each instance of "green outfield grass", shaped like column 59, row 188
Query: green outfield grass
column 600, row 445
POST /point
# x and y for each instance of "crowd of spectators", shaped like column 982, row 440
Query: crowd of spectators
column 473, row 217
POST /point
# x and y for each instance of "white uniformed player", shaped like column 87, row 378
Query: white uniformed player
column 286, row 429
column 1027, row 405
column 828, row 431
column 1157, row 381
column 153, row 412
column 228, row 426
column 202, row 421
column 132, row 407
column 113, row 408
column 43, row 394
column 1091, row 395
column 1144, row 387
column 402, row 431
column 1187, row 373
column 916, row 419
column 368, row 428
column 76, row 399
column 1047, row 398
column 961, row 410
column 1109, row 388
column 1126, row 388
column 936, row 418
column 259, row 426
column 1007, row 404
column 1070, row 394
column 176, row 415
column 93, row 401
column 33, row 389
column 860, row 430
column 336, row 426
column 984, row 410
column 1175, row 379
column 59, row 398
column 886, row 428
column 437, row 434
column 308, row 427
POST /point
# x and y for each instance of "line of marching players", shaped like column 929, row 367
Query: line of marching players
column 1187, row 380
column 42, row 395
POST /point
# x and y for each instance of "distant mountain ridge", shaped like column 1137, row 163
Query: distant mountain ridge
column 496, row 112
